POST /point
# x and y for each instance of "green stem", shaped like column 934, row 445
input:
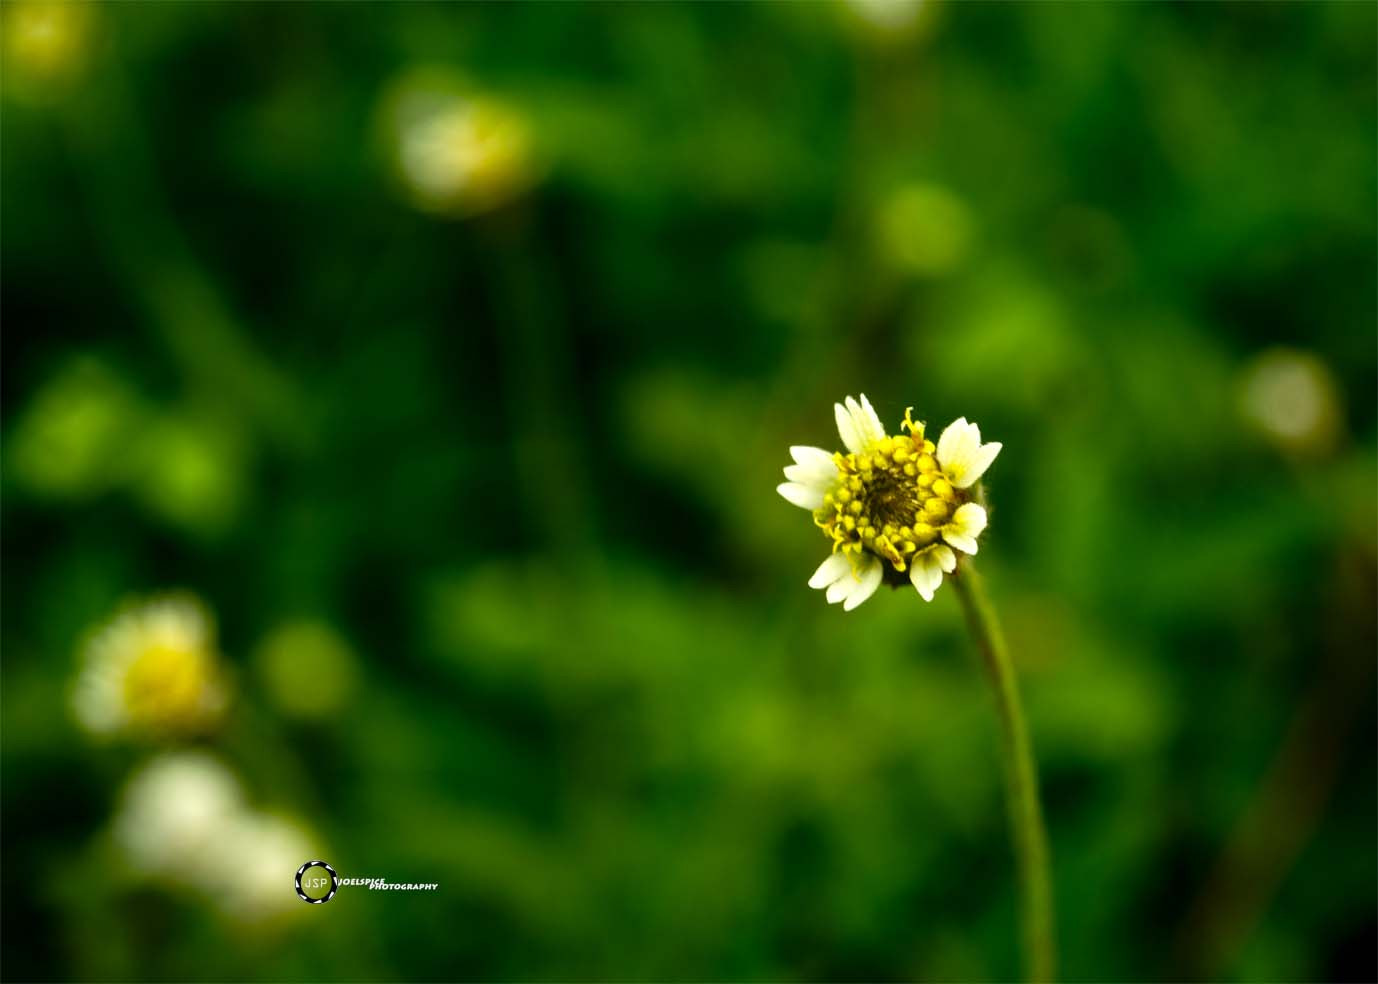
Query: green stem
column 1021, row 778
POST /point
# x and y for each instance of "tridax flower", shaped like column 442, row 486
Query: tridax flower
column 183, row 822
column 457, row 152
column 890, row 504
column 152, row 671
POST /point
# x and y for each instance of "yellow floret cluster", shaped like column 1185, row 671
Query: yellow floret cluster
column 893, row 499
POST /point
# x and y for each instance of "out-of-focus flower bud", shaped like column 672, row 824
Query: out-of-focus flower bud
column 454, row 151
column 152, row 672
column 1291, row 398
column 885, row 21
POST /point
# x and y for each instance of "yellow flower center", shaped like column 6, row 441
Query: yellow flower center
column 893, row 499
column 166, row 688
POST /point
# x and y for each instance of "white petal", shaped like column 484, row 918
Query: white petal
column 970, row 519
column 928, row 567
column 804, row 475
column 935, row 580
column 836, row 566
column 871, row 413
column 846, row 429
column 979, row 462
column 870, row 580
column 961, row 541
column 805, row 455
column 951, row 440
column 921, row 575
column 814, row 468
column 841, row 588
column 803, row 496
column 961, row 454
column 867, row 423
column 967, row 523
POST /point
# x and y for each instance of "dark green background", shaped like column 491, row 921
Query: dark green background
column 524, row 464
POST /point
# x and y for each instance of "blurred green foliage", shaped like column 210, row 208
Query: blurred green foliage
column 483, row 501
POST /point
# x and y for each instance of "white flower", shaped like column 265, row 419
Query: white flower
column 457, row 152
column 172, row 814
column 183, row 822
column 151, row 670
column 261, row 852
column 897, row 501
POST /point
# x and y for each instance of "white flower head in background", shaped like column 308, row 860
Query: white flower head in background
column 152, row 671
column 891, row 22
column 172, row 816
column 1292, row 399
column 457, row 151
column 895, row 504
column 183, row 822
column 257, row 849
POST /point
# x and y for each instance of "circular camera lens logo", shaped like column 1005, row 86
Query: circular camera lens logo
column 317, row 882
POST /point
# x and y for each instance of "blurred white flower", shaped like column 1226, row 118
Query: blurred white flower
column 182, row 821
column 151, row 671
column 891, row 20
column 261, row 855
column 172, row 817
column 1292, row 399
column 457, row 152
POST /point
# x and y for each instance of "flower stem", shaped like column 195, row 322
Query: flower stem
column 1021, row 779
